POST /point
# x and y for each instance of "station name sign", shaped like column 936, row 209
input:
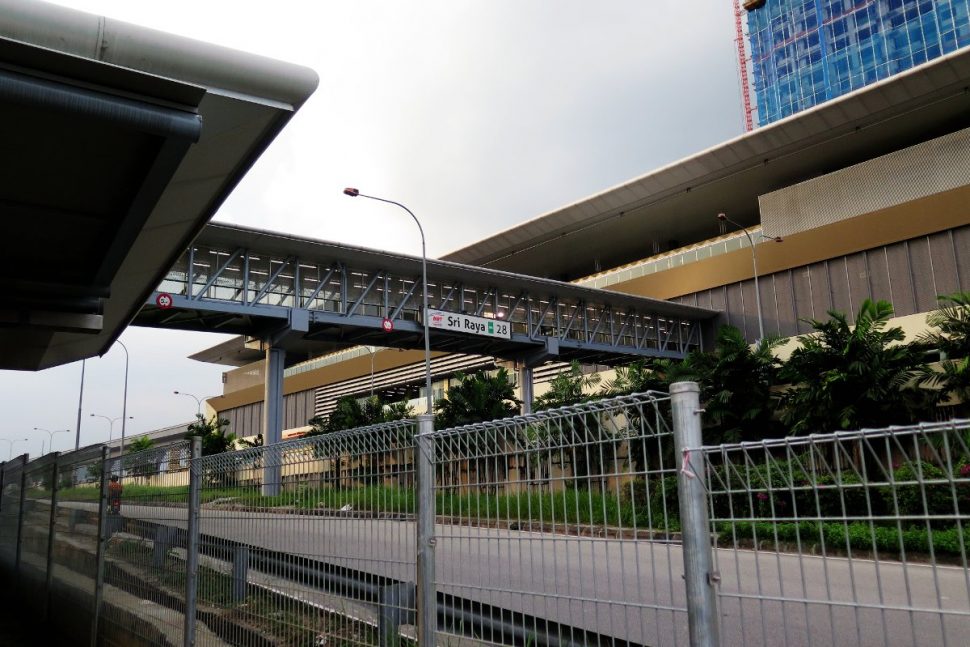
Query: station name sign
column 469, row 324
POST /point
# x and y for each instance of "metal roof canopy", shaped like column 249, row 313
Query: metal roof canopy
column 258, row 283
column 676, row 204
column 120, row 142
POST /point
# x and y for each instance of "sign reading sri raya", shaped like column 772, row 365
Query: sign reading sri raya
column 469, row 324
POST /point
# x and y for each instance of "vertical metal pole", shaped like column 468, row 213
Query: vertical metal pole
column 20, row 512
column 51, row 536
column 273, row 419
column 699, row 572
column 427, row 599
column 3, row 477
column 192, row 542
column 80, row 401
column 102, row 543
column 525, row 380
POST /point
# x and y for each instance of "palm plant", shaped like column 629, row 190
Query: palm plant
column 849, row 377
column 952, row 339
column 480, row 397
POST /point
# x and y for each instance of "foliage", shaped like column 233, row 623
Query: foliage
column 479, row 397
column 736, row 384
column 350, row 413
column 851, row 377
column 214, row 433
column 140, row 444
column 952, row 339
column 476, row 398
column 568, row 387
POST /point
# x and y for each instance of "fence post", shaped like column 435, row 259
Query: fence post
column 3, row 476
column 427, row 599
column 192, row 541
column 699, row 574
column 51, row 532
column 20, row 513
column 101, row 544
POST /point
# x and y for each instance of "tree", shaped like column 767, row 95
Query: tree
column 350, row 413
column 850, row 377
column 214, row 433
column 480, row 397
column 140, row 444
column 140, row 465
column 585, row 440
column 736, row 382
column 952, row 339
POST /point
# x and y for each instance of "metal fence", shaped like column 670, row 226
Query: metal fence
column 556, row 528
column 605, row 523
column 853, row 538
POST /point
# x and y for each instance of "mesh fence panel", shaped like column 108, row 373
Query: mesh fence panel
column 10, row 513
column 75, row 546
column 854, row 538
column 555, row 528
column 310, row 541
column 145, row 519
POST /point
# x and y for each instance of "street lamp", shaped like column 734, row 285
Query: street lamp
column 111, row 423
column 353, row 193
column 198, row 401
column 10, row 445
column 50, row 434
column 124, row 401
column 754, row 263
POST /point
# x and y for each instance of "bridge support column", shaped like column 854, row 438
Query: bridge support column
column 525, row 381
column 273, row 420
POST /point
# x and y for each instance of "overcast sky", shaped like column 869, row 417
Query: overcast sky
column 477, row 115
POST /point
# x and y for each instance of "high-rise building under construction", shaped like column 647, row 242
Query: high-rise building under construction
column 805, row 52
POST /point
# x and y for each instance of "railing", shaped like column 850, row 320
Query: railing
column 602, row 523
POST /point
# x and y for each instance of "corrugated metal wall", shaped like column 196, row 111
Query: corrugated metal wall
column 908, row 274
column 247, row 420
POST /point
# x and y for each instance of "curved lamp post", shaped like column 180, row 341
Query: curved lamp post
column 111, row 423
column 198, row 400
column 124, row 402
column 50, row 435
column 354, row 193
column 754, row 263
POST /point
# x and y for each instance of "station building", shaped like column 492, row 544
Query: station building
column 869, row 192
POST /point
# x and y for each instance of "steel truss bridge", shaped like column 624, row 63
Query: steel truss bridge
column 307, row 296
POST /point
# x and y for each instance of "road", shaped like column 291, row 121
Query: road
column 629, row 589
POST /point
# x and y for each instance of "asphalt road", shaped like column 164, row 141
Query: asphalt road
column 631, row 589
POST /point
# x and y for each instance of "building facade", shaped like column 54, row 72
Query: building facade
column 805, row 52
column 870, row 193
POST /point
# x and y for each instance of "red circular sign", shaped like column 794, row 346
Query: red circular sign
column 164, row 300
column 387, row 325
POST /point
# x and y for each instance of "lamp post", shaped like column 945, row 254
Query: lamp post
column 50, row 435
column 754, row 264
column 353, row 193
column 124, row 401
column 111, row 423
column 10, row 445
column 198, row 400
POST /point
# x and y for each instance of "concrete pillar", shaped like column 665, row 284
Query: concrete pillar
column 525, row 381
column 273, row 419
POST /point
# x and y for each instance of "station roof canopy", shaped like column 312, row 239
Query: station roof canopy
column 676, row 204
column 120, row 143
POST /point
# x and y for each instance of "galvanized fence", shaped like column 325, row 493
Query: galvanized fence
column 854, row 538
column 556, row 528
column 604, row 523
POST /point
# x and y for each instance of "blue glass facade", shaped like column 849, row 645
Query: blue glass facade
column 804, row 52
